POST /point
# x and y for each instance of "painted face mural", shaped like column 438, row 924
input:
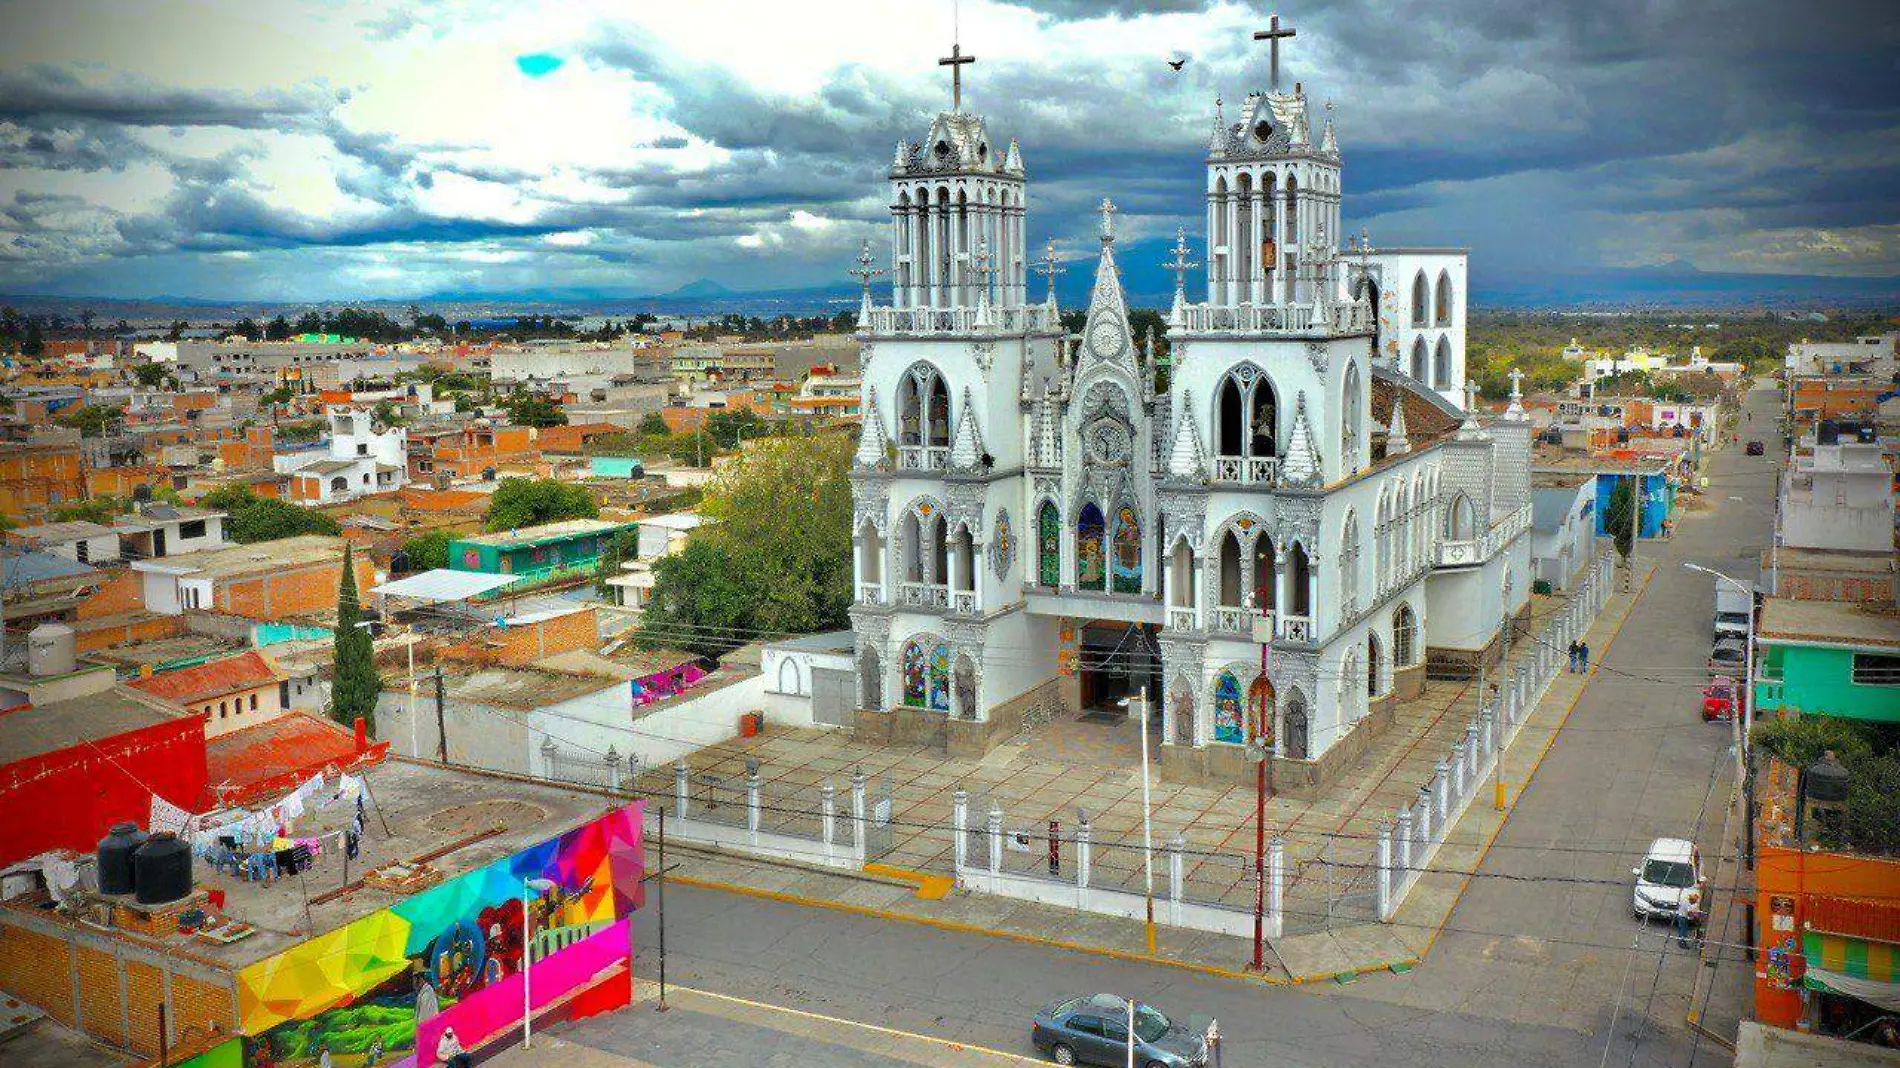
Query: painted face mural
column 1227, row 710
column 1127, row 577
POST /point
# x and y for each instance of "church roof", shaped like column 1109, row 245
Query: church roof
column 1425, row 421
column 1271, row 126
column 958, row 143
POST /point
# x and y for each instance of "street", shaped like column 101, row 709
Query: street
column 1540, row 963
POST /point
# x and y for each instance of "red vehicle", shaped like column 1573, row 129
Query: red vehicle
column 1718, row 699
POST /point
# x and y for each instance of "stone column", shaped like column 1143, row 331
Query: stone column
column 1231, row 205
column 1084, row 836
column 613, row 769
column 1385, row 871
column 752, row 802
column 857, row 814
column 828, row 816
column 1177, row 880
column 680, row 774
column 960, row 829
column 1441, row 794
column 1276, row 886
column 1403, row 835
column 1424, row 808
column 1459, row 762
column 996, row 839
column 1254, row 224
column 1474, row 744
column 1281, row 294
column 1213, row 239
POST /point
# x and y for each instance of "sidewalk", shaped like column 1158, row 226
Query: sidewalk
column 1299, row 958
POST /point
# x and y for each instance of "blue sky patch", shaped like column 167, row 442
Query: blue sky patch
column 538, row 64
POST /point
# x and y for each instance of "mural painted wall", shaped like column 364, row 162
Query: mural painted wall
column 449, row 956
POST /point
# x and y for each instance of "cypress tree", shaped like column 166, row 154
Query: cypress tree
column 354, row 683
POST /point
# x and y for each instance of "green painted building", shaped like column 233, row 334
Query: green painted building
column 1832, row 658
column 571, row 548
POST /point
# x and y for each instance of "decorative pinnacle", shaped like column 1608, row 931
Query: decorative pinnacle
column 1108, row 221
column 1050, row 267
column 1180, row 264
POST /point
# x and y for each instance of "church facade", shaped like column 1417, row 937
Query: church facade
column 1271, row 531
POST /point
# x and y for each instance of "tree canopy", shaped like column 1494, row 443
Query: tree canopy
column 778, row 559
column 523, row 502
column 427, row 552
column 1617, row 516
column 354, row 683
column 93, row 420
column 532, row 409
column 253, row 518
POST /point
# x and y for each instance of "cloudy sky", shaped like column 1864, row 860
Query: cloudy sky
column 337, row 149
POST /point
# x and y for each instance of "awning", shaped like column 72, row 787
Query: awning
column 442, row 584
column 1857, row 967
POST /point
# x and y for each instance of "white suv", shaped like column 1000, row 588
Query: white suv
column 1671, row 868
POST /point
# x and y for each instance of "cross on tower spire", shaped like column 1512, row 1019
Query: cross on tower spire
column 1108, row 221
column 1272, row 35
column 956, row 61
column 864, row 272
column 1050, row 266
column 1180, row 264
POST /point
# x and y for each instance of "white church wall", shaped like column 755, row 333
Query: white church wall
column 1400, row 332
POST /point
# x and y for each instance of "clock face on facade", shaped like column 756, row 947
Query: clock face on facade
column 1105, row 338
column 1108, row 443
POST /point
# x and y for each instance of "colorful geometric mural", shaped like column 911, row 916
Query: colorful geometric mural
column 360, row 993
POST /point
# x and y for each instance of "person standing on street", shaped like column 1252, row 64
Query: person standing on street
column 1583, row 656
column 1688, row 915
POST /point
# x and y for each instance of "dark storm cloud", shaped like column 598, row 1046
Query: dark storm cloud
column 45, row 92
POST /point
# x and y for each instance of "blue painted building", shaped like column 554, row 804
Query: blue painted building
column 1659, row 500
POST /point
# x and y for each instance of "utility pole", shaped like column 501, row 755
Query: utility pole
column 662, row 910
column 441, row 728
column 1147, row 833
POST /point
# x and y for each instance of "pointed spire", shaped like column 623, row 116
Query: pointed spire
column 966, row 449
column 1107, row 304
column 870, row 434
column 1045, row 437
column 1301, row 467
column 1013, row 162
column 1217, row 141
column 902, row 159
column 1185, row 459
column 1396, row 443
column 1301, row 135
column 1329, row 138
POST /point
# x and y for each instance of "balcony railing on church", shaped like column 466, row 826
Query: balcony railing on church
column 1225, row 619
column 1296, row 628
column 1247, row 470
column 1354, row 317
column 925, row 595
column 964, row 602
column 911, row 322
column 870, row 593
column 1181, row 618
column 923, row 457
column 1464, row 551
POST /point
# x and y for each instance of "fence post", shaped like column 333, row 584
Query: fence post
column 1492, row 732
column 857, row 815
column 996, row 842
column 1404, row 837
column 613, row 769
column 1276, row 886
column 1385, row 871
column 828, row 819
column 1084, row 839
column 1456, row 765
column 1177, row 880
column 960, row 827
column 1474, row 749
column 752, row 802
column 1425, row 807
column 1441, row 794
column 680, row 774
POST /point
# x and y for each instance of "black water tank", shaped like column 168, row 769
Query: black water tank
column 161, row 869
column 115, row 857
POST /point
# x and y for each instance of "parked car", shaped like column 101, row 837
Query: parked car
column 1094, row 1030
column 1671, row 868
column 1754, row 448
column 1729, row 657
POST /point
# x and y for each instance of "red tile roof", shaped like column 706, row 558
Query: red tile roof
column 1853, row 917
column 215, row 678
column 273, row 757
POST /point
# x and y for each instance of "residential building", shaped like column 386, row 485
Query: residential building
column 571, row 548
column 467, row 450
column 364, row 457
column 85, row 542
column 230, row 692
column 1828, row 658
column 235, row 356
column 1867, row 354
column 160, row 530
column 1838, row 492
column 1563, row 527
column 36, row 477
column 78, row 754
column 267, row 580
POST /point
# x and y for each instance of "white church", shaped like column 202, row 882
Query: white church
column 1274, row 532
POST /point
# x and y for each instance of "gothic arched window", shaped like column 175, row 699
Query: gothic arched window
column 1421, row 301
column 1441, row 364
column 1125, row 558
column 1443, row 301
column 1229, row 716
column 923, row 408
column 1091, row 554
column 1404, row 637
column 1349, row 564
column 1264, row 594
column 1230, row 570
column 1421, row 360
column 1247, row 416
column 1374, row 682
column 1461, row 519
column 927, row 674
column 1299, row 573
column 1048, row 546
column 1350, row 423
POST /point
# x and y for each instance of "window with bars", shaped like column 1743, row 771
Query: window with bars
column 1876, row 669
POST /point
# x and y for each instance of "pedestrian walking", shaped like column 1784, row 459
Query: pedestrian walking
column 1573, row 657
column 1688, row 915
column 1583, row 656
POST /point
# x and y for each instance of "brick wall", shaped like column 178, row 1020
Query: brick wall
column 276, row 595
column 119, row 594
column 103, row 634
column 518, row 646
column 119, row 983
column 1826, row 587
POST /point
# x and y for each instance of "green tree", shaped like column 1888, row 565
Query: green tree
column 728, row 428
column 532, row 409
column 1871, row 820
column 93, row 420
column 1800, row 740
column 655, row 424
column 277, row 329
column 523, row 502
column 151, row 375
column 354, row 683
column 778, row 559
column 254, row 518
column 1617, row 515
column 102, row 510
column 427, row 552
column 612, row 555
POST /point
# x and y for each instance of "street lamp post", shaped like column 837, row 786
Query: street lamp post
column 1745, row 719
column 536, row 886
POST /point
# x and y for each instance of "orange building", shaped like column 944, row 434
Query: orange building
column 1827, row 924
column 254, row 450
column 573, row 438
column 466, row 451
column 36, row 478
column 1830, row 397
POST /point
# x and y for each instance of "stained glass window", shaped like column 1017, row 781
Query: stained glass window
column 927, row 675
column 1091, row 564
column 1127, row 554
column 1227, row 709
column 1048, row 546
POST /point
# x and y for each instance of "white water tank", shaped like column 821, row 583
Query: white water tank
column 51, row 649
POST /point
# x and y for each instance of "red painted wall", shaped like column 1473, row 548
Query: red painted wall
column 70, row 797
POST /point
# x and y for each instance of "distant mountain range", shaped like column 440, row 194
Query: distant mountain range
column 1145, row 279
